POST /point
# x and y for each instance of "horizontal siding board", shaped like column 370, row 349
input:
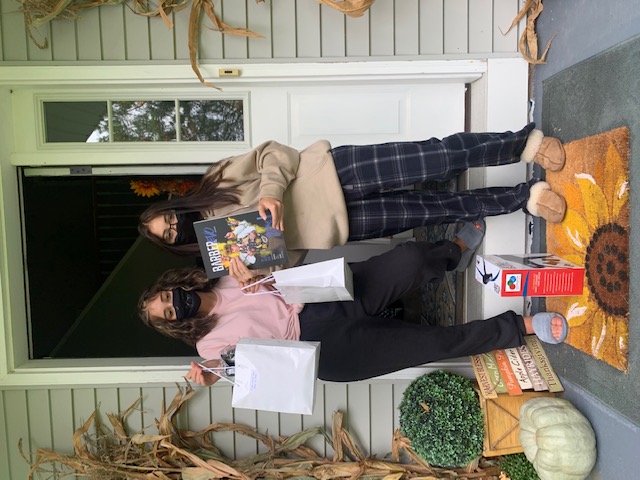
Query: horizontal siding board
column 456, row 24
column 112, row 32
column 63, row 41
column 62, row 420
column 293, row 29
column 137, row 36
column 40, row 435
column 235, row 14
column 308, row 29
column 199, row 409
column 37, row 54
column 382, row 28
column 398, row 391
column 357, row 36
column 181, row 419
column 335, row 398
column 381, row 418
column 480, row 26
column 431, row 27
column 210, row 40
column 106, row 403
column 283, row 24
column 17, row 427
column 4, row 440
column 14, row 32
column 290, row 424
column 126, row 397
column 245, row 446
column 358, row 415
column 161, row 38
column 88, row 35
column 152, row 398
column 222, row 412
column 407, row 35
column 267, row 423
column 317, row 419
column 504, row 13
column 259, row 21
column 332, row 32
column 84, row 404
column 1, row 58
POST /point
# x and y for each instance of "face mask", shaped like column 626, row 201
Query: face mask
column 186, row 303
column 186, row 233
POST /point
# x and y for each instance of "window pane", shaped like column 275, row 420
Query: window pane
column 76, row 122
column 211, row 121
column 144, row 121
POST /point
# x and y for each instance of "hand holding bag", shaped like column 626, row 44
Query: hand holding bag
column 276, row 375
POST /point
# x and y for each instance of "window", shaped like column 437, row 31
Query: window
column 116, row 121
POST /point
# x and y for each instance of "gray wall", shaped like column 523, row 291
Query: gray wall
column 292, row 29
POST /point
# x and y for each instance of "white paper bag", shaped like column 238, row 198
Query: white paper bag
column 276, row 375
column 327, row 281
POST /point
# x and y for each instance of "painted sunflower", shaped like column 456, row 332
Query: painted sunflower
column 594, row 234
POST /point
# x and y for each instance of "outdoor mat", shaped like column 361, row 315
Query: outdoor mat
column 595, row 234
column 440, row 301
column 595, row 96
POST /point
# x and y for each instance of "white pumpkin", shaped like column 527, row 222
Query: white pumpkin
column 557, row 439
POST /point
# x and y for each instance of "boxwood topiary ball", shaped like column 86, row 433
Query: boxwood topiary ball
column 440, row 414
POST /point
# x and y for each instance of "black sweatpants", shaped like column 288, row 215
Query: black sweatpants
column 356, row 344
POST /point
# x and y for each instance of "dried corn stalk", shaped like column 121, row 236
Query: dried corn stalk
column 528, row 44
column 353, row 8
column 172, row 454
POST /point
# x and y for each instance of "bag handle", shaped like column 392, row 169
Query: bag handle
column 263, row 292
column 214, row 371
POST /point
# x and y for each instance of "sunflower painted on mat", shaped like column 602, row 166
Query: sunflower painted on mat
column 594, row 234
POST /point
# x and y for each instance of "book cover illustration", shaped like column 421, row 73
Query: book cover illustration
column 244, row 235
column 514, row 370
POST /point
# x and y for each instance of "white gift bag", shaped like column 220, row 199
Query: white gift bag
column 275, row 375
column 327, row 281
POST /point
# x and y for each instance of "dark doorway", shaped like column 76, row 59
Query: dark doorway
column 86, row 267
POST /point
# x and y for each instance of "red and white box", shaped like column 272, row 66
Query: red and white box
column 531, row 275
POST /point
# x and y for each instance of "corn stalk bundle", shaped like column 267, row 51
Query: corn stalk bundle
column 101, row 453
column 528, row 44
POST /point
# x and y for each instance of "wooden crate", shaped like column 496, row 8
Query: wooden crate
column 502, row 422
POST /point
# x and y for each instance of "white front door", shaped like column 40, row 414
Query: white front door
column 313, row 102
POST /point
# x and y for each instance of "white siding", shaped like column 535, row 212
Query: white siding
column 292, row 29
column 47, row 418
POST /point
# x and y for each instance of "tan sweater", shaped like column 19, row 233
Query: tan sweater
column 306, row 182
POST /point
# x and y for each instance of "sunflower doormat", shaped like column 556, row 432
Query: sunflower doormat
column 594, row 233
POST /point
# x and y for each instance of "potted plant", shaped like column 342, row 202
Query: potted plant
column 517, row 467
column 440, row 414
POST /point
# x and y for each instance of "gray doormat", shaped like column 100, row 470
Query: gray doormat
column 597, row 95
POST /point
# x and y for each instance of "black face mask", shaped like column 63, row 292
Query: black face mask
column 186, row 303
column 186, row 233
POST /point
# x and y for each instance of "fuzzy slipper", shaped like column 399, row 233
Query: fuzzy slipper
column 542, row 327
column 545, row 203
column 548, row 152
column 472, row 234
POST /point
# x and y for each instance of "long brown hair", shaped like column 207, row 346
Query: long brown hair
column 189, row 330
column 209, row 195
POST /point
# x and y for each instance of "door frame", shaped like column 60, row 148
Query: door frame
column 498, row 102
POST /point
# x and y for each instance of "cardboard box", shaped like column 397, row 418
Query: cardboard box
column 532, row 275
